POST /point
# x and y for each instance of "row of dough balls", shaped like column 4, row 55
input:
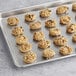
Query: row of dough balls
column 54, row 32
column 58, row 40
column 47, row 53
column 65, row 20
column 45, row 13
column 24, row 45
column 64, row 50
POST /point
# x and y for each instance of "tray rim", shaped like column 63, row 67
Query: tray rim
column 15, row 63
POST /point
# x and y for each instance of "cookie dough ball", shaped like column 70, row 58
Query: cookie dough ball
column 61, row 10
column 35, row 25
column 45, row 13
column 54, row 32
column 30, row 17
column 17, row 31
column 12, row 21
column 65, row 50
column 48, row 53
column 43, row 44
column 21, row 39
column 29, row 57
column 50, row 23
column 71, row 28
column 74, row 38
column 25, row 47
column 60, row 41
column 74, row 7
column 38, row 36
column 65, row 20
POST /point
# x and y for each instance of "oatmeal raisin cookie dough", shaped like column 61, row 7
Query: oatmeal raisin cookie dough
column 48, row 53
column 54, row 32
column 65, row 50
column 60, row 41
column 61, row 10
column 43, row 44
column 18, row 30
column 35, row 25
column 30, row 17
column 38, row 36
column 64, row 20
column 29, row 57
column 25, row 47
column 12, row 21
column 50, row 23
column 21, row 39
column 45, row 13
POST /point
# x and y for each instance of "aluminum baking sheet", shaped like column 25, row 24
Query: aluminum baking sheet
column 20, row 13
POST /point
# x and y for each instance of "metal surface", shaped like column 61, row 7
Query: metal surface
column 19, row 13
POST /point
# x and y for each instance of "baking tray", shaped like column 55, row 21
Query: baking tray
column 19, row 13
